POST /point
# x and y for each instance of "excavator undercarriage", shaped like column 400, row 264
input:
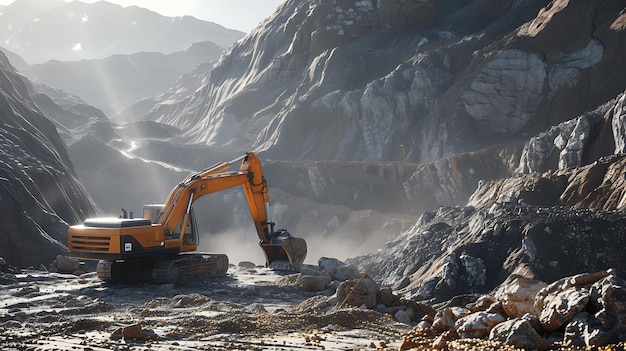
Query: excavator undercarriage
column 177, row 269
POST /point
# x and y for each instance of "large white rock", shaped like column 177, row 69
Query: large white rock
column 560, row 301
column 518, row 297
column 478, row 325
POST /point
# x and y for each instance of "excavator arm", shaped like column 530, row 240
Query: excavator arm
column 281, row 250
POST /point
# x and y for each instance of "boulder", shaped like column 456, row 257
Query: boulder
column 560, row 301
column 246, row 265
column 307, row 269
column 560, row 308
column 7, row 278
column 403, row 316
column 357, row 295
column 584, row 330
column 313, row 282
column 518, row 296
column 133, row 332
column 64, row 264
column 443, row 322
column 386, row 296
column 482, row 304
column 478, row 325
column 338, row 270
column 446, row 318
column 518, row 332
column 608, row 298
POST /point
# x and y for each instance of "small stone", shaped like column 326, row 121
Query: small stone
column 246, row 265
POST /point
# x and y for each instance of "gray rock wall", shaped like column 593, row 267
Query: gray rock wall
column 39, row 190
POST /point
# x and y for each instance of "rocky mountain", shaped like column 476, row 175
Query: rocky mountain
column 364, row 80
column 438, row 97
column 468, row 156
column 113, row 83
column 40, row 192
column 369, row 114
column 560, row 214
column 77, row 30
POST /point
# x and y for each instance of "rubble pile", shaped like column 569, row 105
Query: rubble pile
column 585, row 310
column 344, row 286
column 465, row 250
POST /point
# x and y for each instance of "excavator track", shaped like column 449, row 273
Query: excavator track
column 125, row 271
column 175, row 270
column 186, row 267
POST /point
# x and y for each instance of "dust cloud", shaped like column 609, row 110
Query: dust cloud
column 242, row 245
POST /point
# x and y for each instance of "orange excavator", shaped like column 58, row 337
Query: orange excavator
column 161, row 246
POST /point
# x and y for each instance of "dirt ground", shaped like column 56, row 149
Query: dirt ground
column 249, row 309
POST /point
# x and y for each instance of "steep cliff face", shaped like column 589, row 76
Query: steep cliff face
column 39, row 192
column 362, row 80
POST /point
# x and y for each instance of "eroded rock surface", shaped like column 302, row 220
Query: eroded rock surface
column 405, row 80
column 510, row 238
column 38, row 185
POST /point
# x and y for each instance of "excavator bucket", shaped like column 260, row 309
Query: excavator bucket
column 284, row 252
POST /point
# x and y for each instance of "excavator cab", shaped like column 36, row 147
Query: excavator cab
column 191, row 235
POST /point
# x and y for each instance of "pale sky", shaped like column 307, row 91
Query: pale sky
column 242, row 15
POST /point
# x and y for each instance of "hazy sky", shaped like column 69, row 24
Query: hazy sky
column 242, row 15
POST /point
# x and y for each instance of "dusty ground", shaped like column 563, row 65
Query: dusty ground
column 250, row 309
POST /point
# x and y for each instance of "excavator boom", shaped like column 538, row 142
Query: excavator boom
column 159, row 240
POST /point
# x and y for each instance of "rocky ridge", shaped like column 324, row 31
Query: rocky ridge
column 124, row 79
column 40, row 190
